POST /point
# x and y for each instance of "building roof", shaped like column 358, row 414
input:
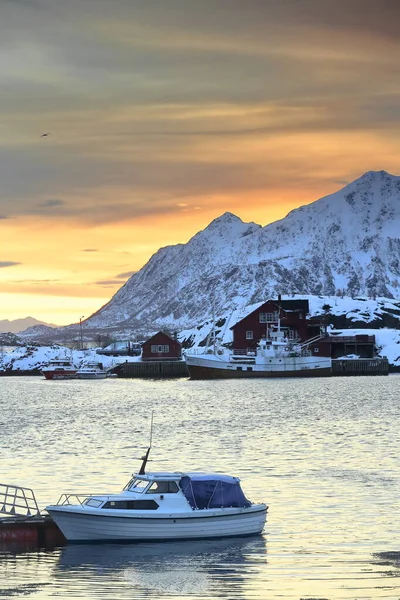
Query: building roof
column 286, row 305
column 163, row 334
column 294, row 305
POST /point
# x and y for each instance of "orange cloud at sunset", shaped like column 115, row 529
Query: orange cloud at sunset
column 162, row 116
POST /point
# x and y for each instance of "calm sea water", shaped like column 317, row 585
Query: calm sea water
column 323, row 453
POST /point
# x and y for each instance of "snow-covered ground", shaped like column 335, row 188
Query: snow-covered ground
column 29, row 358
column 356, row 310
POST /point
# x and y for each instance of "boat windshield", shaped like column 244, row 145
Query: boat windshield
column 136, row 485
column 163, row 487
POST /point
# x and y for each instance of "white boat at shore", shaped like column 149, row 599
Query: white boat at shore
column 275, row 356
column 161, row 506
column 91, row 370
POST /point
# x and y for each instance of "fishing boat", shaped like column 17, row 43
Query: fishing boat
column 161, row 506
column 59, row 369
column 91, row 370
column 275, row 356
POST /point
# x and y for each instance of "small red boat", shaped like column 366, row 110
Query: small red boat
column 59, row 369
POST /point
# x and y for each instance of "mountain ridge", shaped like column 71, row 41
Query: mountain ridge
column 20, row 325
column 345, row 243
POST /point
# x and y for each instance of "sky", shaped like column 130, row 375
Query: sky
column 162, row 115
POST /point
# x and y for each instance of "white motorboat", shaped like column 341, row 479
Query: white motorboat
column 161, row 506
column 276, row 356
column 59, row 369
column 91, row 370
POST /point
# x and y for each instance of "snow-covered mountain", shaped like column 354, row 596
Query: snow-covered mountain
column 345, row 244
column 19, row 325
column 38, row 331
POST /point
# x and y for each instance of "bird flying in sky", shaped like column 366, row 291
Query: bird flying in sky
column 44, row 134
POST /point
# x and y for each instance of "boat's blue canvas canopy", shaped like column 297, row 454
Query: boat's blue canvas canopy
column 213, row 491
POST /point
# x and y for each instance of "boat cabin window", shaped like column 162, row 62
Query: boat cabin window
column 93, row 502
column 163, row 487
column 137, row 485
column 131, row 505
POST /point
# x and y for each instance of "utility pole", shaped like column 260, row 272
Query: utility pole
column 81, row 332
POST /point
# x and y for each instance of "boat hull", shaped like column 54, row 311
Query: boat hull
column 80, row 526
column 210, row 368
column 59, row 374
column 91, row 375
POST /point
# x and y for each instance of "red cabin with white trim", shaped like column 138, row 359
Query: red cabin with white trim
column 161, row 347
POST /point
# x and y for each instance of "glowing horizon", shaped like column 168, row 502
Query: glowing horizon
column 163, row 116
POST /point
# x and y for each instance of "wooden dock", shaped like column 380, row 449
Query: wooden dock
column 360, row 366
column 154, row 369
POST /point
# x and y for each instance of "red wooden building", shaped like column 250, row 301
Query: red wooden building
column 294, row 318
column 161, row 347
column 292, row 315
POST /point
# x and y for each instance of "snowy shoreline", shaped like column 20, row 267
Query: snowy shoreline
column 30, row 359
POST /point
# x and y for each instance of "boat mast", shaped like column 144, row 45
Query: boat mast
column 146, row 456
column 213, row 330
column 279, row 313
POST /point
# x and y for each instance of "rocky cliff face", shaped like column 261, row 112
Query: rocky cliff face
column 345, row 244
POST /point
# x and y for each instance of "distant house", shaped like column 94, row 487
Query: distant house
column 161, row 347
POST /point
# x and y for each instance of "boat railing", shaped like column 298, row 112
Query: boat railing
column 65, row 499
column 78, row 497
column 18, row 501
column 244, row 352
column 358, row 339
column 204, row 350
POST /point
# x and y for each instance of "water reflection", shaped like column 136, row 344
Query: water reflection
column 25, row 569
column 322, row 453
column 220, row 568
column 390, row 561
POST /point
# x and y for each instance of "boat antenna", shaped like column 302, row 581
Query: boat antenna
column 213, row 327
column 145, row 458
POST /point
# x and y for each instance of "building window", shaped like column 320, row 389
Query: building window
column 316, row 350
column 154, row 349
column 270, row 317
column 165, row 348
column 249, row 335
column 300, row 315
